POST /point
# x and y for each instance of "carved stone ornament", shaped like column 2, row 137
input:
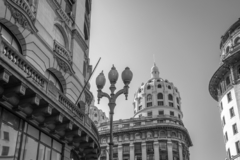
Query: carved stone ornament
column 21, row 12
column 65, row 66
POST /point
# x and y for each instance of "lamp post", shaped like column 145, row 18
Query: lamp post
column 113, row 77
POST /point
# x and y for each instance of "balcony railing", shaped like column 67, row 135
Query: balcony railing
column 24, row 12
column 62, row 51
column 18, row 61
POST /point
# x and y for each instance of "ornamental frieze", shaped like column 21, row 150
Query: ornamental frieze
column 22, row 13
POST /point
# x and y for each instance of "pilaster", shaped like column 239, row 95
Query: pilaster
column 156, row 150
column 144, row 151
column 169, row 146
column 131, row 151
column 180, row 151
column 120, row 152
column 107, row 154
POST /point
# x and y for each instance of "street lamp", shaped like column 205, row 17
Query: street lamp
column 113, row 77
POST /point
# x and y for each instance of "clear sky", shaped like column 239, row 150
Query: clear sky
column 184, row 36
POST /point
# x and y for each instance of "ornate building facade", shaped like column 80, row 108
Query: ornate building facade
column 97, row 115
column 44, row 67
column 224, row 87
column 156, row 131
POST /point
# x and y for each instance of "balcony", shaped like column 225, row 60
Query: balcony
column 63, row 58
column 24, row 90
column 23, row 11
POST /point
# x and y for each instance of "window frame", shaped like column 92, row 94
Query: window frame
column 235, row 129
column 232, row 113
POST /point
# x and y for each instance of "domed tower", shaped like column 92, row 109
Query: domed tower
column 157, row 97
column 224, row 87
column 156, row 130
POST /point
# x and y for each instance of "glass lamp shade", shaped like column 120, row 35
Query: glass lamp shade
column 127, row 76
column 100, row 80
column 113, row 75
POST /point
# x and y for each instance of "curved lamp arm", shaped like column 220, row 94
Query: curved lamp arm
column 102, row 94
column 122, row 91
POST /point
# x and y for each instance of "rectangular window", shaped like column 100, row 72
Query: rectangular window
column 137, row 148
column 227, row 81
column 149, row 114
column 126, row 149
column 179, row 116
column 139, row 107
column 235, row 130
column 163, row 146
column 5, row 150
column 160, row 112
column 6, row 136
column 171, row 113
column 229, row 97
column 150, row 157
column 170, row 104
column 150, row 147
column 226, row 136
column 232, row 114
column 221, row 106
column 138, row 157
column 149, row 104
column 229, row 154
column 224, row 121
column 160, row 103
column 238, row 147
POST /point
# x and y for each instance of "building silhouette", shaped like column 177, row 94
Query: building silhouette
column 44, row 68
column 224, row 87
column 156, row 130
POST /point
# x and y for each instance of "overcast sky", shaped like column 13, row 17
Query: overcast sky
column 184, row 36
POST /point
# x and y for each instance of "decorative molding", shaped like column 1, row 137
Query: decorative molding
column 79, row 38
column 22, row 13
column 63, row 58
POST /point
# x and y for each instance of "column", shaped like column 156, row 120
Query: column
column 67, row 152
column 144, row 151
column 120, row 152
column 156, row 150
column 131, row 151
column 180, row 151
column 169, row 147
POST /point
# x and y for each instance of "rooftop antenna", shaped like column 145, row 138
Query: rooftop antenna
column 154, row 58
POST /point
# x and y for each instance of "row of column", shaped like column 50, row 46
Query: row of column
column 144, row 151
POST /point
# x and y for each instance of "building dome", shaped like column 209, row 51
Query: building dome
column 157, row 96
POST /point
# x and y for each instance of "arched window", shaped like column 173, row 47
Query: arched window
column 159, row 86
column 174, row 134
column 9, row 37
column 177, row 100
column 59, row 36
column 169, row 87
column 148, row 87
column 170, row 97
column 160, row 96
column 149, row 97
column 52, row 77
column 237, row 41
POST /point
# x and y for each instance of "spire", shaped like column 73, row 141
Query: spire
column 154, row 71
